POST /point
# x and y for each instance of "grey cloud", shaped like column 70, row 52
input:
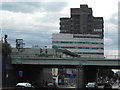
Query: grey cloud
column 36, row 34
column 112, row 19
column 54, row 6
column 112, row 33
column 30, row 37
column 29, row 7
column 112, row 45
column 25, row 7
column 51, row 18
column 37, row 39
column 119, row 28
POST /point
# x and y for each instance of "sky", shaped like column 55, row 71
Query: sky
column 34, row 21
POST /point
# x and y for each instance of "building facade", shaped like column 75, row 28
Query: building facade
column 86, row 45
column 82, row 33
column 82, row 22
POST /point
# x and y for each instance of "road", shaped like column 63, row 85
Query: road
column 114, row 86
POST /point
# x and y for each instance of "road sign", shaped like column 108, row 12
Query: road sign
column 20, row 73
column 72, row 76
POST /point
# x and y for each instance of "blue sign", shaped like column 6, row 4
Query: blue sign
column 20, row 73
column 72, row 76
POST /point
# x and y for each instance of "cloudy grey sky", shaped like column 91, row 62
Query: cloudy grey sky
column 35, row 21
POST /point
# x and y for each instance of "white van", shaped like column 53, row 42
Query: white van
column 24, row 84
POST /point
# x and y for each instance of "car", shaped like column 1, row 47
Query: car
column 24, row 85
column 91, row 85
column 107, row 86
column 51, row 84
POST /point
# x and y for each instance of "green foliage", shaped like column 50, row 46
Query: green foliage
column 106, row 72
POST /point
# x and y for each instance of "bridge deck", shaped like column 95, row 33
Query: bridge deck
column 65, row 61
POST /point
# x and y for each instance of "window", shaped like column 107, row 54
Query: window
column 71, row 42
column 97, row 30
column 81, row 47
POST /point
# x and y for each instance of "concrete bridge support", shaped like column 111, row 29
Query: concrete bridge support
column 85, row 75
column 80, row 77
column 90, row 75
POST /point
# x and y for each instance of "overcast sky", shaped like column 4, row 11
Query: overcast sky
column 35, row 21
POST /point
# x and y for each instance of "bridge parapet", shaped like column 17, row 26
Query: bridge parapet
column 33, row 60
column 44, row 61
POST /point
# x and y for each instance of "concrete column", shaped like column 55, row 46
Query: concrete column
column 90, row 75
column 80, row 78
column 85, row 75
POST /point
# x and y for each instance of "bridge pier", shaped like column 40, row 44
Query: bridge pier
column 85, row 75
column 90, row 75
column 80, row 77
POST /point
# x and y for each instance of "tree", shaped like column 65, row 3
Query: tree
column 6, row 48
column 106, row 73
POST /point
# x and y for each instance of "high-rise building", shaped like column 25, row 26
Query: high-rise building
column 82, row 33
column 82, row 22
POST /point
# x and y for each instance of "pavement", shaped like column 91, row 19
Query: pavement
column 114, row 86
column 65, row 86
